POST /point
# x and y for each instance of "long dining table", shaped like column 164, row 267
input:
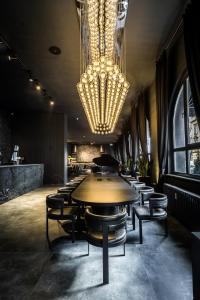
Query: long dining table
column 105, row 190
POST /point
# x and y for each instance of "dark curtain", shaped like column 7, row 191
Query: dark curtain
column 134, row 134
column 162, row 112
column 192, row 50
column 142, row 131
column 124, row 148
column 127, row 146
column 115, row 149
column 121, row 149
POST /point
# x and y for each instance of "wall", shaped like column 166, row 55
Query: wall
column 40, row 137
column 5, row 136
column 86, row 153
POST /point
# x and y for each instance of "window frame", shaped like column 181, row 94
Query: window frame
column 188, row 146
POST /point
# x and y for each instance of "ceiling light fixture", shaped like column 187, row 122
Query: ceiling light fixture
column 103, row 86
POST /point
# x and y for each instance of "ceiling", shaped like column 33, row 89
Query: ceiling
column 31, row 27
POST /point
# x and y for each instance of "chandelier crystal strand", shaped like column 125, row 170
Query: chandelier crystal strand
column 102, row 88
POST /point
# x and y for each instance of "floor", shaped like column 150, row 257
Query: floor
column 160, row 269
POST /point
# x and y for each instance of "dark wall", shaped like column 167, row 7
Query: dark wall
column 40, row 137
column 5, row 136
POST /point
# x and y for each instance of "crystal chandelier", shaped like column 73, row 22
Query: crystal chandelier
column 102, row 87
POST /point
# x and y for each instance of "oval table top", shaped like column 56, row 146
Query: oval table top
column 105, row 190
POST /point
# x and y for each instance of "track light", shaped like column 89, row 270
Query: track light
column 11, row 55
column 51, row 102
column 37, row 85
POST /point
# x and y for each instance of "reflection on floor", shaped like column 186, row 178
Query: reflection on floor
column 160, row 269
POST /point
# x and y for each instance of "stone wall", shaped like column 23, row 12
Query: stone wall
column 86, row 153
column 5, row 136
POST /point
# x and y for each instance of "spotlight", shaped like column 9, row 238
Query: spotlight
column 37, row 85
column 30, row 76
column 51, row 102
column 11, row 55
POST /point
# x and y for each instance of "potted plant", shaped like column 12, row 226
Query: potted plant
column 143, row 169
column 127, row 167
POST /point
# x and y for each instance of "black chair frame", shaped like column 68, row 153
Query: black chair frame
column 57, row 202
column 105, row 224
column 155, row 201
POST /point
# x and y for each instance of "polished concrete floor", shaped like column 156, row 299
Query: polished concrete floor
column 160, row 269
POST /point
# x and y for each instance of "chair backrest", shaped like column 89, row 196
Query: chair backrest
column 65, row 190
column 97, row 222
column 138, row 185
column 157, row 200
column 55, row 201
column 146, row 189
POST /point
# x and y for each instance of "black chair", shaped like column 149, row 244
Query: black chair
column 138, row 185
column 156, row 211
column 105, row 231
column 58, row 211
column 145, row 193
column 65, row 189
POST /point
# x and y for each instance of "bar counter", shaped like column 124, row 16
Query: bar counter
column 20, row 179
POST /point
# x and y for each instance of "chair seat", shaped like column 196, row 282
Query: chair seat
column 143, row 212
column 68, row 213
column 114, row 238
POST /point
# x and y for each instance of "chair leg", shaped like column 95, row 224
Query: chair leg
column 128, row 209
column 133, row 218
column 73, row 230
column 140, row 229
column 47, row 233
column 88, row 249
column 166, row 227
column 142, row 199
column 124, row 249
column 105, row 257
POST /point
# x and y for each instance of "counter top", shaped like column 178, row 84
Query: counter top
column 21, row 165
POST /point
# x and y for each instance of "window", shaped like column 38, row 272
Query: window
column 148, row 141
column 186, row 133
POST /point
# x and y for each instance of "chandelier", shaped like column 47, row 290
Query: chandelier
column 103, row 86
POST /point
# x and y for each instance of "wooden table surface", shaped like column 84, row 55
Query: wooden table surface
column 102, row 190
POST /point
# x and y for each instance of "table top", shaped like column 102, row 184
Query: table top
column 102, row 190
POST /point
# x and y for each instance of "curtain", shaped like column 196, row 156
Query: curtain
column 124, row 148
column 134, row 134
column 191, row 21
column 121, row 149
column 142, row 131
column 162, row 112
column 127, row 146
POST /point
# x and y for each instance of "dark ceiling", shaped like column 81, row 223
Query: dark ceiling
column 31, row 27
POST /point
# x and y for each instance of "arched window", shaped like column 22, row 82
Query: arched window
column 186, row 133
